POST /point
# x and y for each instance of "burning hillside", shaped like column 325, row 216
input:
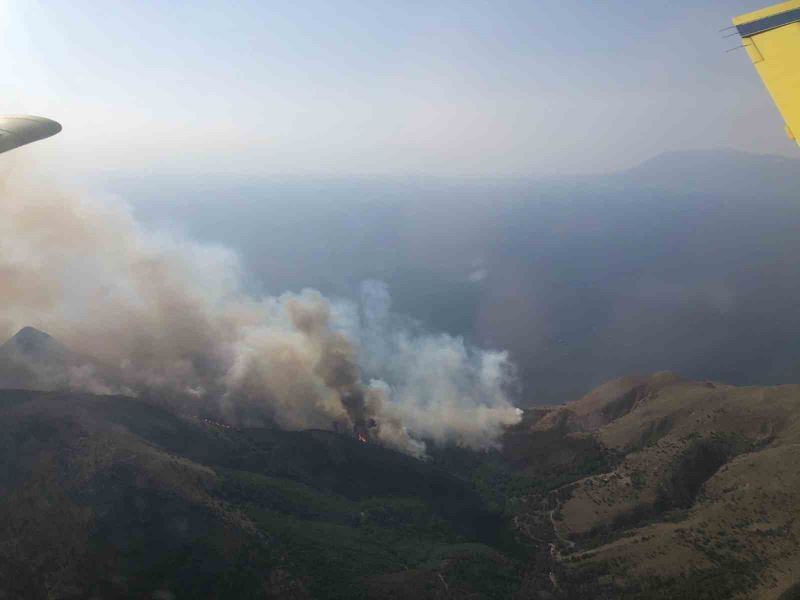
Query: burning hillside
column 167, row 317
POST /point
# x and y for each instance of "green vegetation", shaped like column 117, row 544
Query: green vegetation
column 614, row 579
column 335, row 542
column 132, row 501
column 722, row 581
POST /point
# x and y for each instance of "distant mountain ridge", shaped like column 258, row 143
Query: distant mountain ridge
column 713, row 171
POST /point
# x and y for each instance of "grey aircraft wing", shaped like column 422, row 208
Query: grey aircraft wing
column 16, row 131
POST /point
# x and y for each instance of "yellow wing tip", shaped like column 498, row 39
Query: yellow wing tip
column 766, row 12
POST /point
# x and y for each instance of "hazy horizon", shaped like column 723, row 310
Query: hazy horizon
column 449, row 89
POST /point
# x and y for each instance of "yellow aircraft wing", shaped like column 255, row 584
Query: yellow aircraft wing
column 772, row 38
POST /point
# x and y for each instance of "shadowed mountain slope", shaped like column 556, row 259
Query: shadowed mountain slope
column 110, row 496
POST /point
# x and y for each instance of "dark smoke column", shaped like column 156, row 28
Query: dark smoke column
column 16, row 131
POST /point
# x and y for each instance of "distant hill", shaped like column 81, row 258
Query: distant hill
column 34, row 360
column 717, row 171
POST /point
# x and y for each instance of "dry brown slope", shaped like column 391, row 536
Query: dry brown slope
column 708, row 491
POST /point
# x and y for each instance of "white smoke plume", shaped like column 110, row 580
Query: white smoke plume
column 167, row 318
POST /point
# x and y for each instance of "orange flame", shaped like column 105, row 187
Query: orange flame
column 362, row 438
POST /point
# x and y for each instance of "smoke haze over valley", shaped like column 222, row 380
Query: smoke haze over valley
column 672, row 265
column 573, row 281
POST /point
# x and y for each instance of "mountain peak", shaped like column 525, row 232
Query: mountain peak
column 29, row 332
column 32, row 342
column 713, row 167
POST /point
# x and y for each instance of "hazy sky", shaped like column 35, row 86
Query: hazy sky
column 377, row 87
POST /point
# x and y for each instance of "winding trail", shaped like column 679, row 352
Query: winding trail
column 555, row 553
column 561, row 539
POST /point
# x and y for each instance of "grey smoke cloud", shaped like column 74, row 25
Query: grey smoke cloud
column 436, row 384
column 166, row 317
